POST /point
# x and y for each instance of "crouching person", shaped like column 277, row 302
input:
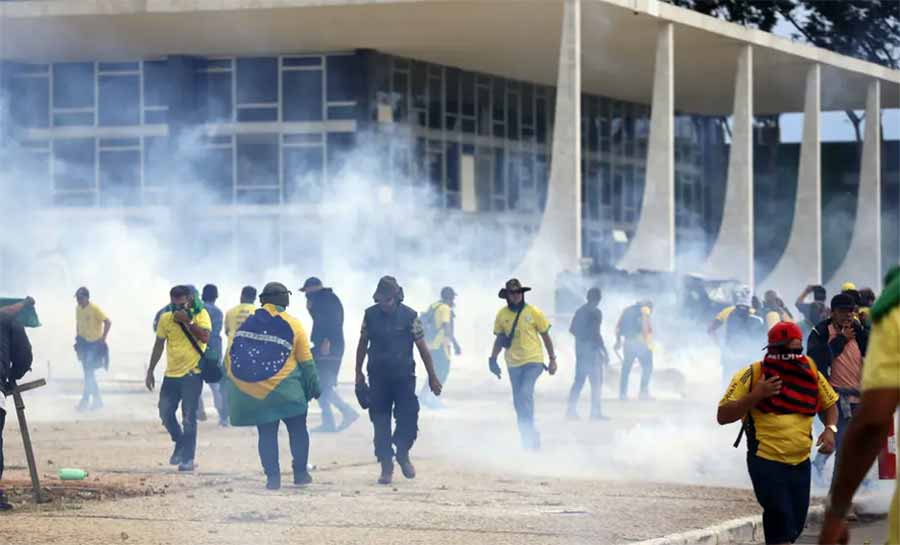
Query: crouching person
column 272, row 378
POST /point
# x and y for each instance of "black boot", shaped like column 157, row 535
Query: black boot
column 273, row 482
column 387, row 472
column 4, row 503
column 406, row 466
column 302, row 476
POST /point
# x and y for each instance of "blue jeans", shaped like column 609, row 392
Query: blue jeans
column 588, row 366
column 636, row 350
column 298, row 436
column 523, row 380
column 846, row 410
column 186, row 391
column 91, row 388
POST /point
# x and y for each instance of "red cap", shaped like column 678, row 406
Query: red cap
column 784, row 332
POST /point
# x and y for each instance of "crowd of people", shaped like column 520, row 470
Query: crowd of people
column 268, row 370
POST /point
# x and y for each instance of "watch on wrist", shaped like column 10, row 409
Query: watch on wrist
column 832, row 427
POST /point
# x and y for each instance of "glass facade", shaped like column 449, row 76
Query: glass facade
column 278, row 130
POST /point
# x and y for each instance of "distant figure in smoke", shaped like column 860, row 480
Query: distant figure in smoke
column 743, row 332
column 183, row 332
column 519, row 329
column 439, row 323
column 774, row 309
column 91, row 330
column 590, row 354
column 866, row 301
column 234, row 319
column 813, row 313
column 328, row 349
column 838, row 345
column 15, row 361
column 776, row 399
column 635, row 327
column 214, row 349
column 389, row 331
column 272, row 379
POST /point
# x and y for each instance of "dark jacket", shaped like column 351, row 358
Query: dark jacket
column 328, row 320
column 585, row 326
column 823, row 352
column 15, row 351
column 391, row 339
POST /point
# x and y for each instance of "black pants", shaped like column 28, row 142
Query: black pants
column 268, row 444
column 387, row 394
column 2, row 424
column 588, row 367
column 636, row 350
column 327, row 367
column 186, row 391
column 783, row 492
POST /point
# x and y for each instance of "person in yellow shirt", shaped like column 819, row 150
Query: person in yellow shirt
column 183, row 332
column 635, row 328
column 91, row 329
column 519, row 329
column 438, row 322
column 871, row 423
column 777, row 399
column 234, row 319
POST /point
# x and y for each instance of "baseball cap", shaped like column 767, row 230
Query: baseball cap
column 782, row 333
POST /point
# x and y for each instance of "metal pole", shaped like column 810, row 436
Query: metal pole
column 38, row 494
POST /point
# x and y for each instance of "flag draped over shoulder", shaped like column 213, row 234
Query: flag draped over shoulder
column 270, row 369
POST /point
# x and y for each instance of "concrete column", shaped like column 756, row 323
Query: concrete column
column 862, row 264
column 801, row 263
column 557, row 245
column 653, row 244
column 732, row 254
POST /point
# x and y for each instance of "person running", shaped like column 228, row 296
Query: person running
column 183, row 332
column 590, row 355
column 272, row 378
column 519, row 329
column 91, row 330
column 776, row 400
column 439, row 322
column 328, row 350
column 871, row 423
column 635, row 328
column 389, row 331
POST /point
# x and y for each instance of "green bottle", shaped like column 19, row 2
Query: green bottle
column 72, row 474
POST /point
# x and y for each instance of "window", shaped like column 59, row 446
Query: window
column 257, row 81
column 302, row 95
column 304, row 174
column 258, row 169
column 73, row 164
column 219, row 104
column 120, row 178
column 345, row 81
column 73, row 85
column 120, row 100
column 213, row 167
column 155, row 82
column 30, row 101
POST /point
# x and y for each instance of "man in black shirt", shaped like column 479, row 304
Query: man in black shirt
column 590, row 354
column 389, row 331
column 328, row 348
column 15, row 361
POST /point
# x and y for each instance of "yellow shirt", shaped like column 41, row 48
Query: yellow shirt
column 785, row 438
column 89, row 322
column 442, row 315
column 882, row 371
column 526, row 345
column 236, row 317
column 181, row 357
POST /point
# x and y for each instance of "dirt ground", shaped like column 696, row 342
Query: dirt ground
column 474, row 486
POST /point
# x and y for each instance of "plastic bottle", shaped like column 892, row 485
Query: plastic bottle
column 72, row 474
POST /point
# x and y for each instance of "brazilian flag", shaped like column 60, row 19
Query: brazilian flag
column 270, row 369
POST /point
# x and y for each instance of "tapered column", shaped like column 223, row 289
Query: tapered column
column 732, row 254
column 862, row 264
column 653, row 244
column 801, row 263
column 557, row 246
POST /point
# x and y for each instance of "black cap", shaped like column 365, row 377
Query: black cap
column 843, row 301
column 311, row 282
column 275, row 293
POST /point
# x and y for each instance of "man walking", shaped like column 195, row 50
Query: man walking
column 777, row 399
column 328, row 350
column 389, row 331
column 91, row 329
column 635, row 329
column 439, row 323
column 15, row 361
column 234, row 318
column 183, row 332
column 838, row 346
column 272, row 379
column 214, row 349
column 590, row 354
column 519, row 329
column 871, row 424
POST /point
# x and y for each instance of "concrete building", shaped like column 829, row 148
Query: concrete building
column 624, row 131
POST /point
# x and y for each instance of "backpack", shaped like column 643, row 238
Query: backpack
column 427, row 320
column 632, row 323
